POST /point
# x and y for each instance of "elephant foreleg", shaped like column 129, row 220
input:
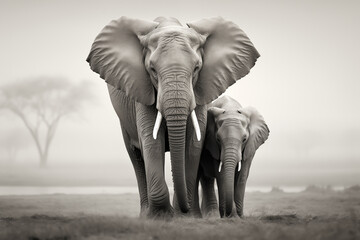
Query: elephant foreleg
column 221, row 193
column 153, row 152
column 240, row 187
column 209, row 205
column 196, row 207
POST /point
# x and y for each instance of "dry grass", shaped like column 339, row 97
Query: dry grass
column 315, row 215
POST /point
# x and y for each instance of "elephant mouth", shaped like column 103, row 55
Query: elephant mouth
column 193, row 119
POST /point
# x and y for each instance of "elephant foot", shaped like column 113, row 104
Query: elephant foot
column 240, row 214
column 162, row 213
column 144, row 211
column 190, row 214
column 210, row 211
column 195, row 212
column 213, row 213
column 233, row 214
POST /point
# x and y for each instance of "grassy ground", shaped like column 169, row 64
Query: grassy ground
column 308, row 215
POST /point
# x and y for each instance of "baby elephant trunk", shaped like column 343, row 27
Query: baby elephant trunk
column 231, row 160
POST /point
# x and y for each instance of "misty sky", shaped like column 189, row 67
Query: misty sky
column 305, row 84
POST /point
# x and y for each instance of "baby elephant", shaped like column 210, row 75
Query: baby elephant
column 233, row 135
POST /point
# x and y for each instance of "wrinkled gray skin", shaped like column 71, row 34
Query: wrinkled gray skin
column 233, row 135
column 162, row 67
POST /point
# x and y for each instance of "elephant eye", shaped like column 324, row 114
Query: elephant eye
column 153, row 72
column 244, row 139
column 217, row 138
column 196, row 69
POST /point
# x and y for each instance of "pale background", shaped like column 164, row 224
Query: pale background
column 305, row 84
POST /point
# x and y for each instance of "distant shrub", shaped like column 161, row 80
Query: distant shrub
column 318, row 189
column 353, row 189
column 276, row 190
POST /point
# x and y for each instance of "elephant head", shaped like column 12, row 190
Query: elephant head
column 237, row 134
column 174, row 67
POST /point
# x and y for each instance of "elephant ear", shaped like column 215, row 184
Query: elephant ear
column 215, row 111
column 258, row 132
column 228, row 56
column 117, row 55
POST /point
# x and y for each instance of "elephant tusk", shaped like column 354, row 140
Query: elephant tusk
column 196, row 125
column 239, row 166
column 157, row 125
column 220, row 166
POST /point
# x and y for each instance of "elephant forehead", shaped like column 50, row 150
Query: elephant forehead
column 173, row 34
column 233, row 118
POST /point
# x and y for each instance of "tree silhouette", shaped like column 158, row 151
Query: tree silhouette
column 41, row 103
column 12, row 142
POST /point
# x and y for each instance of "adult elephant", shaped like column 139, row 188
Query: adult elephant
column 162, row 69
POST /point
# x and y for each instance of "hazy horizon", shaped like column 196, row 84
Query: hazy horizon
column 305, row 84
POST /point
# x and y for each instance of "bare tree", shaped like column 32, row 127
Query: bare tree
column 41, row 103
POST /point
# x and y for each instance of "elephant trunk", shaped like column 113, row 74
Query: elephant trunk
column 177, row 136
column 175, row 102
column 230, row 160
